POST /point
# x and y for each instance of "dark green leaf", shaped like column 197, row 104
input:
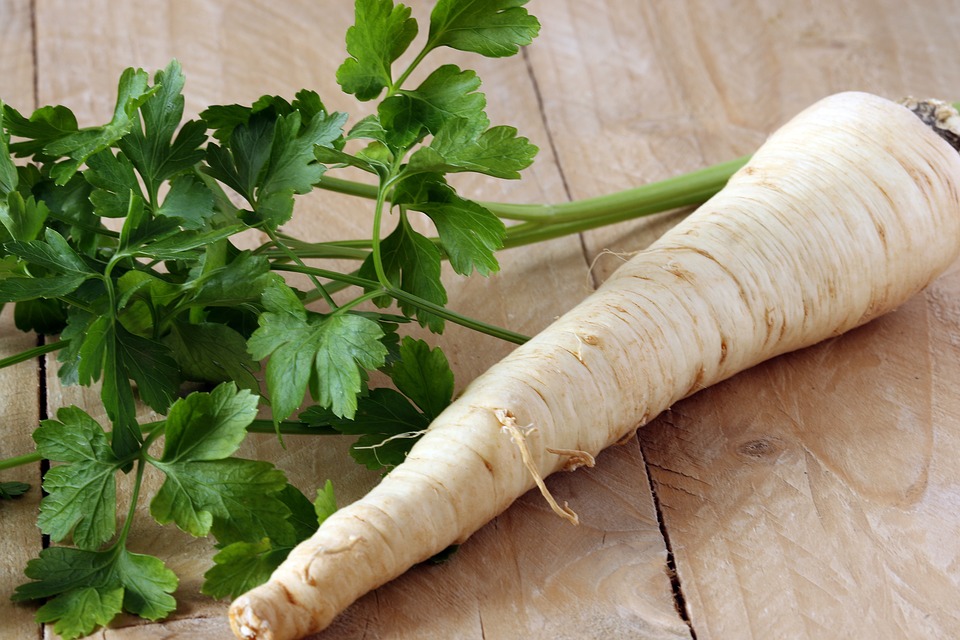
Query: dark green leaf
column 44, row 126
column 167, row 243
column 17, row 289
column 423, row 375
column 240, row 163
column 447, row 94
column 233, row 497
column 380, row 34
column 67, row 575
column 469, row 233
column 387, row 422
column 212, row 352
column 76, row 613
column 293, row 167
column 188, row 200
column 492, row 28
column 22, row 218
column 208, row 426
column 497, row 152
column 12, row 489
column 239, row 281
column 152, row 148
column 330, row 354
column 80, row 145
column 53, row 253
column 412, row 262
column 241, row 566
column 151, row 365
column 46, row 317
column 114, row 182
column 82, row 495
column 8, row 170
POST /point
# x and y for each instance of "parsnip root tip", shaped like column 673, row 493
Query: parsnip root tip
column 245, row 623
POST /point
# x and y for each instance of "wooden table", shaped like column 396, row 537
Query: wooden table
column 815, row 496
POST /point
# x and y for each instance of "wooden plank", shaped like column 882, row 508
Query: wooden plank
column 19, row 409
column 235, row 54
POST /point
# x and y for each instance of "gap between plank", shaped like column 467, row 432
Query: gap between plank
column 556, row 158
column 679, row 601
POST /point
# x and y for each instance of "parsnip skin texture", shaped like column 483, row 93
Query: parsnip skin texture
column 844, row 213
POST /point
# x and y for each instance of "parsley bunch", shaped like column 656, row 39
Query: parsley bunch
column 120, row 238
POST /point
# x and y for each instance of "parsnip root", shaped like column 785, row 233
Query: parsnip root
column 841, row 216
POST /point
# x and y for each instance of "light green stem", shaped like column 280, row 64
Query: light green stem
column 30, row 354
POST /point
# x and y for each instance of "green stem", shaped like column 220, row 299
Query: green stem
column 409, row 298
column 708, row 180
column 370, row 295
column 375, row 237
column 413, row 65
column 531, row 233
column 134, row 499
column 295, row 258
column 19, row 461
column 35, row 352
column 691, row 188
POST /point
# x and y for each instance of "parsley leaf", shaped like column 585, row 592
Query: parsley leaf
column 423, row 375
column 492, row 28
column 327, row 353
column 272, row 157
column 76, row 147
column 292, row 167
column 152, row 148
column 241, row 566
column 8, row 170
column 411, row 262
column 88, row 588
column 82, row 494
column 447, row 93
column 12, row 489
column 62, row 270
column 380, row 34
column 114, row 183
column 469, row 233
column 205, row 489
column 23, row 218
column 212, row 352
column 44, row 125
column 387, row 421
column 100, row 345
column 456, row 147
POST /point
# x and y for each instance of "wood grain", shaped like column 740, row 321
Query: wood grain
column 812, row 497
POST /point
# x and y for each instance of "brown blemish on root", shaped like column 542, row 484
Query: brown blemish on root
column 287, row 594
column 486, row 463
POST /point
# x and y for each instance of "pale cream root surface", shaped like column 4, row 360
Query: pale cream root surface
column 844, row 214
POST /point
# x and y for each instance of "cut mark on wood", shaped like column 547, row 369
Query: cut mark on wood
column 679, row 601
